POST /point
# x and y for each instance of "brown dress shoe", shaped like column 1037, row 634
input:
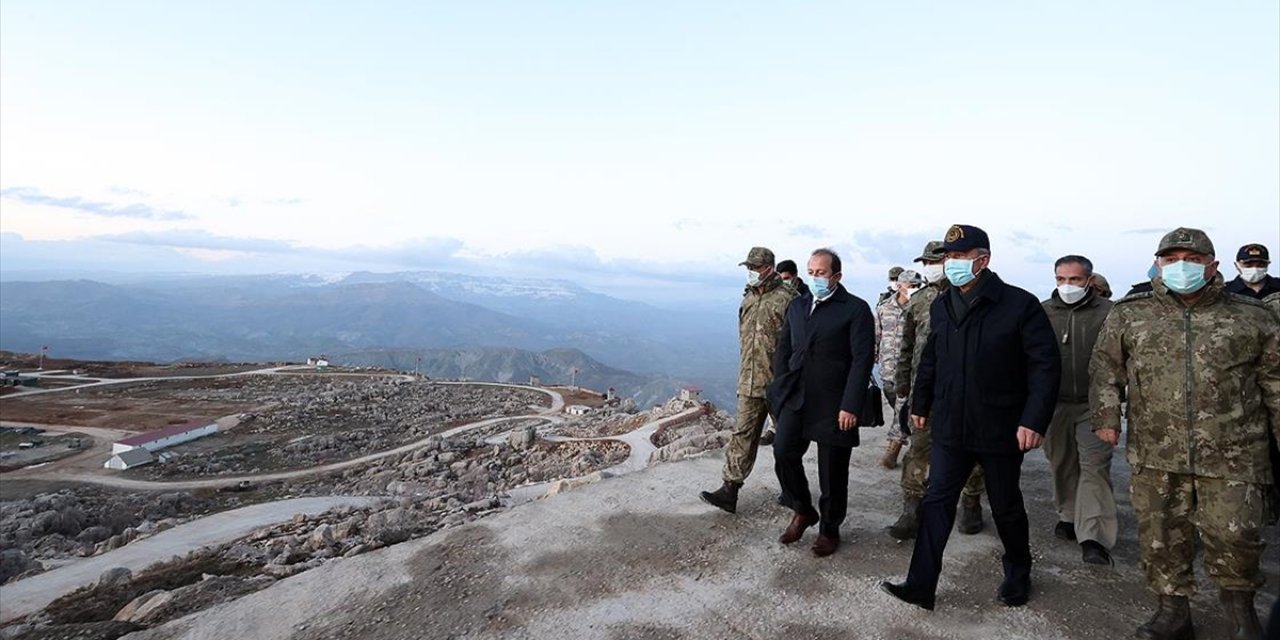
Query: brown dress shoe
column 825, row 545
column 799, row 522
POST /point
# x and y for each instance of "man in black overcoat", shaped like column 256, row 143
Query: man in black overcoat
column 822, row 369
column 989, row 379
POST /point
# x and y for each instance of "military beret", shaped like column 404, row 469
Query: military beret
column 1186, row 238
column 758, row 257
column 963, row 237
column 1251, row 252
column 932, row 252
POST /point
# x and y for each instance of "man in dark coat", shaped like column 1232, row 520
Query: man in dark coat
column 1252, row 261
column 822, row 369
column 989, row 380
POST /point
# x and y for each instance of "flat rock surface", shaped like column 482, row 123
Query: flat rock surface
column 640, row 557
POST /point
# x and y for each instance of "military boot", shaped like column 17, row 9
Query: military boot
column 1172, row 621
column 725, row 498
column 908, row 522
column 890, row 458
column 971, row 514
column 1242, row 617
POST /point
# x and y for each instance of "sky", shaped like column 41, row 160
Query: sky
column 636, row 148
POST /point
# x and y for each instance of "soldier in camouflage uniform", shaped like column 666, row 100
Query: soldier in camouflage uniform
column 764, row 303
column 889, row 317
column 915, row 465
column 1202, row 371
column 1273, row 302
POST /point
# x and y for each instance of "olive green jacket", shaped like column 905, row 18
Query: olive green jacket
column 759, row 323
column 915, row 334
column 1203, row 382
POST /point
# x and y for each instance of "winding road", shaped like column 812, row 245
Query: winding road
column 32, row 594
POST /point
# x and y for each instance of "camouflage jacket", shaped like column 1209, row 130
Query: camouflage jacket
column 889, row 319
column 1273, row 301
column 1201, row 381
column 759, row 323
column 915, row 334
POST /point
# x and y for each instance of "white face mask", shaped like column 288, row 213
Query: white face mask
column 1070, row 293
column 753, row 278
column 932, row 272
column 912, row 291
column 1253, row 275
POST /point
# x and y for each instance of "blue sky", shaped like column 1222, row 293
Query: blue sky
column 640, row 147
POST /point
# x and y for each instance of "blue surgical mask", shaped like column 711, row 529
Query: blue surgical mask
column 1183, row 277
column 959, row 271
column 1153, row 272
column 821, row 287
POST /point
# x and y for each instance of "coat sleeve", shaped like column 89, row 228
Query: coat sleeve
column 922, row 390
column 862, row 346
column 1044, row 368
column 875, row 314
column 782, row 354
column 906, row 353
column 1107, row 376
column 1269, row 373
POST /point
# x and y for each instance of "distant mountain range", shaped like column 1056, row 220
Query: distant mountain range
column 519, row 327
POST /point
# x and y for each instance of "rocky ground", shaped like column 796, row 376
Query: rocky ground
column 315, row 420
column 87, row 520
column 448, row 482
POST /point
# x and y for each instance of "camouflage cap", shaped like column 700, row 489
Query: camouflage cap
column 932, row 252
column 912, row 278
column 1252, row 252
column 1100, row 283
column 758, row 257
column 1186, row 238
column 894, row 272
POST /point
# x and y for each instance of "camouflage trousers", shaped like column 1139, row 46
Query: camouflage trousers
column 915, row 467
column 1227, row 516
column 740, row 454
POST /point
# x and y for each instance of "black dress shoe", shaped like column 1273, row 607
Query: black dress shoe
column 904, row 593
column 1065, row 531
column 1014, row 593
column 1094, row 553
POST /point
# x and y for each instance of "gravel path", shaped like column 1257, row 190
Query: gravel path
column 34, row 593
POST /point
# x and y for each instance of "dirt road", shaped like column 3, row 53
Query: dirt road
column 32, row 594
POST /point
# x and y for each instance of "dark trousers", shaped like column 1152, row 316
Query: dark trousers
column 789, row 447
column 949, row 469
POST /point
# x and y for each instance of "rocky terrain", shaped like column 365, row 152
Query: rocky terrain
column 315, row 420
column 447, row 482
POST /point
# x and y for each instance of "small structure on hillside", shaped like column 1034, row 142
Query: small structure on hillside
column 535, row 381
column 577, row 409
column 166, row 437
column 691, row 394
column 318, row 362
column 129, row 459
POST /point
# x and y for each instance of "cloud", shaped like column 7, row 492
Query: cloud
column 808, row 231
column 29, row 195
column 198, row 239
column 1149, row 231
column 890, row 247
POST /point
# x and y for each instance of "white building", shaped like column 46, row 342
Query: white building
column 691, row 394
column 577, row 410
column 135, row 457
column 166, row 437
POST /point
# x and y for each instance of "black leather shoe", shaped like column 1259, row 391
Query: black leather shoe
column 902, row 592
column 1014, row 593
column 1094, row 553
column 1065, row 531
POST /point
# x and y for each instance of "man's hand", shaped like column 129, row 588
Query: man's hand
column 1028, row 439
column 847, row 421
column 1108, row 435
column 918, row 422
